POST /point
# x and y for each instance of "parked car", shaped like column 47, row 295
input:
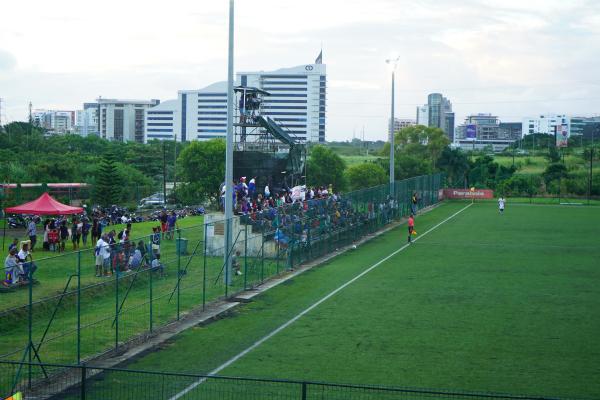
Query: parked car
column 157, row 199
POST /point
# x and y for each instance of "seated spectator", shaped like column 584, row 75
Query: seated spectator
column 156, row 241
column 14, row 244
column 136, row 261
column 280, row 238
column 26, row 260
column 12, row 269
column 157, row 266
column 235, row 263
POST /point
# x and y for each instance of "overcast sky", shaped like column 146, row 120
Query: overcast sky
column 512, row 58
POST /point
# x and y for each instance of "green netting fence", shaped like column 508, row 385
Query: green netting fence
column 85, row 382
column 68, row 315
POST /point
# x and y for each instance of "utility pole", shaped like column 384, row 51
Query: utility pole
column 174, row 164
column 0, row 113
column 164, row 173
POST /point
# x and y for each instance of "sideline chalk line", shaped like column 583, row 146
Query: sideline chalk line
column 307, row 310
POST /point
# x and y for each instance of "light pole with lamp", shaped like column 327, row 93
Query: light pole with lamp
column 229, row 155
column 394, row 64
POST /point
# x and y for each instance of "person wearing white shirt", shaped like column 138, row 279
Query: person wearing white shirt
column 501, row 202
column 102, row 256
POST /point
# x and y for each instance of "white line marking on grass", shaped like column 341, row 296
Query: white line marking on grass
column 307, row 310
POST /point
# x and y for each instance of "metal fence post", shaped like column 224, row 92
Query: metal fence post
column 178, row 251
column 204, row 270
column 83, row 379
column 245, row 255
column 30, row 323
column 116, row 308
column 150, row 281
column 304, row 390
column 78, row 306
column 262, row 259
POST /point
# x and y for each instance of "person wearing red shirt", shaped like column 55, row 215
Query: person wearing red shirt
column 411, row 227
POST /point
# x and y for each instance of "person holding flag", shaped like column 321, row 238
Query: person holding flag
column 411, row 228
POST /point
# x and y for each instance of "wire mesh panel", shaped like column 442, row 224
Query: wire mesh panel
column 92, row 383
column 87, row 302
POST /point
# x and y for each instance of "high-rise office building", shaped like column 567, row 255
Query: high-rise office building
column 297, row 102
column 54, row 121
column 437, row 113
column 423, row 115
column 123, row 120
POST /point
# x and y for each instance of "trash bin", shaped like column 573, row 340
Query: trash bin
column 181, row 246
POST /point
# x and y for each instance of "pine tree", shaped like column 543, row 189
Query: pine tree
column 108, row 188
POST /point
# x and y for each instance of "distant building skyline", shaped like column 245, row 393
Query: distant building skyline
column 297, row 102
column 400, row 123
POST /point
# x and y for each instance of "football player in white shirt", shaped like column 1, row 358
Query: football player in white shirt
column 501, row 202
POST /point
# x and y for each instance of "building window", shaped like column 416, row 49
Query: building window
column 118, row 125
column 139, row 125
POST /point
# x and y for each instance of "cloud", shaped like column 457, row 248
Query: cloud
column 352, row 85
column 7, row 61
column 499, row 56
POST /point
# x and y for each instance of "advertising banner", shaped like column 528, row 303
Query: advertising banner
column 467, row 194
column 471, row 132
column 562, row 135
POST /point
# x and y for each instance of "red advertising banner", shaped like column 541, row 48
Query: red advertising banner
column 466, row 194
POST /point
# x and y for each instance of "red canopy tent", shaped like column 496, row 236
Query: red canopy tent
column 44, row 205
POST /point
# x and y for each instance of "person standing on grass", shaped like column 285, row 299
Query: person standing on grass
column 171, row 225
column 32, row 232
column 411, row 227
column 99, row 253
column 75, row 234
column 414, row 201
column 85, row 230
column 163, row 223
column 501, row 202
column 64, row 235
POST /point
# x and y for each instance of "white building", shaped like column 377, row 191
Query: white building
column 400, row 123
column 162, row 121
column 86, row 120
column 123, row 120
column 545, row 124
column 297, row 103
column 54, row 121
column 423, row 115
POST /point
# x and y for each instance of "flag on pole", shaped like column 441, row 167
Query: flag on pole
column 319, row 59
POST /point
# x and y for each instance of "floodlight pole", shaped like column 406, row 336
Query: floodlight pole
column 394, row 63
column 229, row 155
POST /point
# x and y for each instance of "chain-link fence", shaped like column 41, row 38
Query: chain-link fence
column 90, row 383
column 86, row 303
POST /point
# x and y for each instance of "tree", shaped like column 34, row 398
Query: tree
column 108, row 187
column 455, row 163
column 553, row 155
column 554, row 172
column 201, row 168
column 326, row 167
column 365, row 175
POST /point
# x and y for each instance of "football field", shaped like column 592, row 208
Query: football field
column 479, row 302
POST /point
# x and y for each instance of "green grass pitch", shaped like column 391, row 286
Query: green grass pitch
column 485, row 302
